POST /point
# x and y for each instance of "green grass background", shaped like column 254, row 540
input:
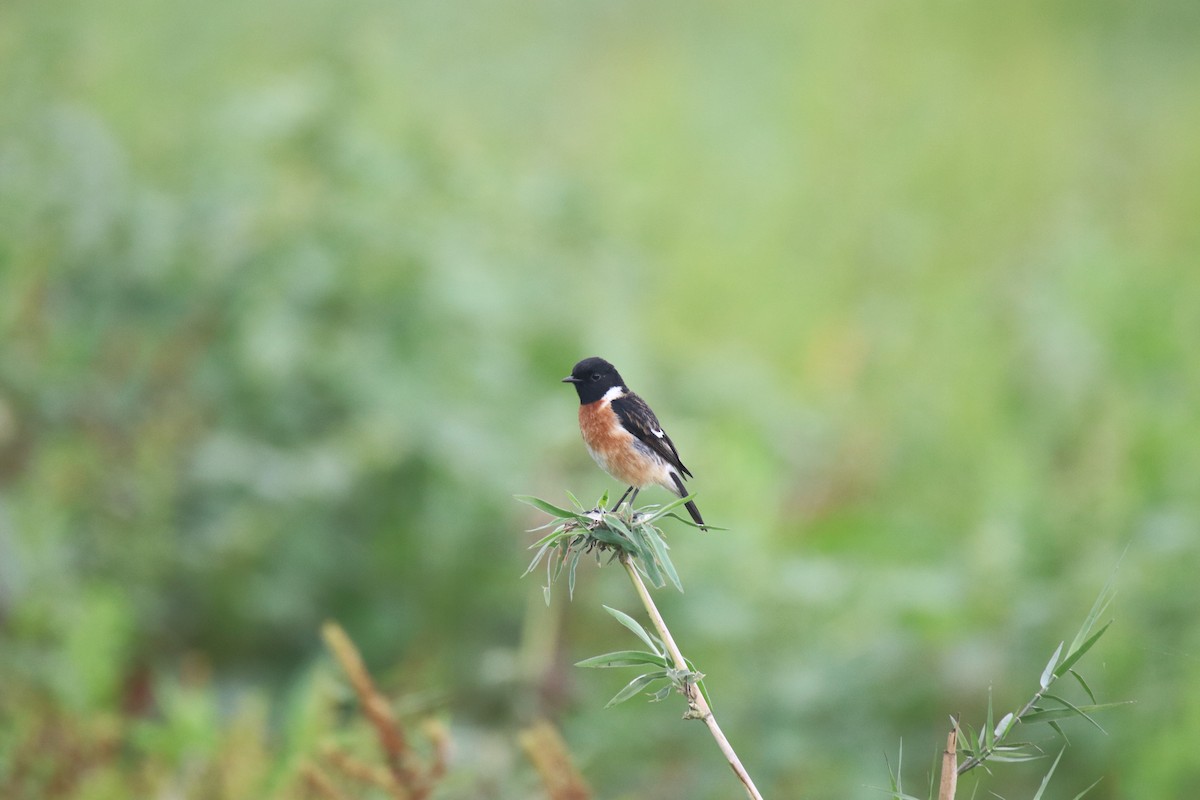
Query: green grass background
column 286, row 290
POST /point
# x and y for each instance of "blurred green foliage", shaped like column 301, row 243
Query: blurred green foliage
column 286, row 290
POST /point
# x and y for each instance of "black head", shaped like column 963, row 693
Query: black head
column 592, row 378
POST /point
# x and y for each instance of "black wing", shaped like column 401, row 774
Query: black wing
column 638, row 419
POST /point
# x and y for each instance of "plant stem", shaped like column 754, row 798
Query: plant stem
column 949, row 784
column 974, row 761
column 698, row 707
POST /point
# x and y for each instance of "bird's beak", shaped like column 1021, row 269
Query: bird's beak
column 571, row 379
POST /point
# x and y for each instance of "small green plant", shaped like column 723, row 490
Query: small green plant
column 993, row 741
column 634, row 540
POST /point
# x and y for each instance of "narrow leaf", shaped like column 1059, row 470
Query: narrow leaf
column 1088, row 789
column 660, row 553
column 1015, row 758
column 536, row 560
column 632, row 624
column 1046, row 780
column 1077, row 653
column 635, row 686
column 623, row 658
column 549, row 537
column 661, row 694
column 1048, row 673
column 990, row 728
column 1073, row 707
column 615, row 522
column 609, row 537
column 671, row 506
column 1003, row 726
column 645, row 556
column 549, row 508
column 575, row 556
column 1083, row 683
column 1098, row 608
column 966, row 739
column 1045, row 715
column 691, row 524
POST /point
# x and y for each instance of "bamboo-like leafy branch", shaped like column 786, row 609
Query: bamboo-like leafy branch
column 637, row 543
column 993, row 742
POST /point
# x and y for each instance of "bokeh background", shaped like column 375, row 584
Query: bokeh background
column 287, row 289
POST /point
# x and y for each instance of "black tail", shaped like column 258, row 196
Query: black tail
column 689, row 505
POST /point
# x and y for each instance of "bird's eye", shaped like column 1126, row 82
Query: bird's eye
column 595, row 376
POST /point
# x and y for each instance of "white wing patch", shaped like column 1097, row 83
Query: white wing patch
column 657, row 432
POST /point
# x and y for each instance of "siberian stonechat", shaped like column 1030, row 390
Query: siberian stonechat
column 623, row 435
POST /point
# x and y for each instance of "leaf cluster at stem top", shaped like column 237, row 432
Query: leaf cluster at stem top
column 598, row 530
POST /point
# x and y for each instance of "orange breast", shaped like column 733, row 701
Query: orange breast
column 617, row 451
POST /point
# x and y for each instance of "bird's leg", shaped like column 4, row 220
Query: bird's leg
column 622, row 500
column 633, row 497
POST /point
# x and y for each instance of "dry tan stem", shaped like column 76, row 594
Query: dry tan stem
column 950, row 766
column 697, row 706
column 363, row 772
column 439, row 737
column 552, row 760
column 320, row 784
column 376, row 709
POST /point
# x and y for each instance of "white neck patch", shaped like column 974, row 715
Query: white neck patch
column 613, row 394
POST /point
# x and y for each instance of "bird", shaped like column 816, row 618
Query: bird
column 624, row 436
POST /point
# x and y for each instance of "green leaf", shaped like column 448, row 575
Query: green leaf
column 895, row 778
column 1088, row 789
column 990, row 728
column 1002, row 727
column 1016, row 753
column 632, row 624
column 1045, row 715
column 623, row 658
column 1058, row 729
column 1077, row 653
column 536, row 559
column 558, row 561
column 1083, row 683
column 576, row 554
column 635, row 686
column 616, row 523
column 662, row 694
column 966, row 739
column 1016, row 758
column 574, row 500
column 609, row 537
column 549, row 538
column 1098, row 608
column 690, row 524
column 546, row 594
column 1073, row 707
column 1046, row 780
column 646, row 562
column 1048, row 673
column 671, row 506
column 660, row 553
column 549, row 508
